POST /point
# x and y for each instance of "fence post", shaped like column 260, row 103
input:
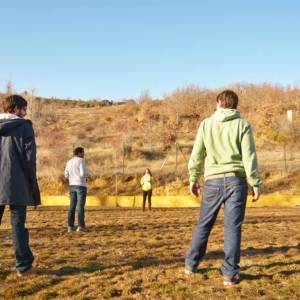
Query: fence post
column 176, row 167
column 284, row 156
column 116, row 180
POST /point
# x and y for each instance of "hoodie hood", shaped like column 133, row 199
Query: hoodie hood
column 9, row 122
column 225, row 114
column 7, row 116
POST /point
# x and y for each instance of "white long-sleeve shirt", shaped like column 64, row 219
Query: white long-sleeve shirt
column 76, row 171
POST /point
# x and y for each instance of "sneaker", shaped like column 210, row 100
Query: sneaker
column 28, row 272
column 188, row 270
column 71, row 228
column 82, row 229
column 228, row 281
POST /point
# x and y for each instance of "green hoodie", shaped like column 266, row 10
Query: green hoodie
column 225, row 141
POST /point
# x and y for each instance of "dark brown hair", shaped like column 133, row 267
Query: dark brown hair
column 78, row 150
column 148, row 171
column 11, row 102
column 228, row 99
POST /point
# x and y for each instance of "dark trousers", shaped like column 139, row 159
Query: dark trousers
column 20, row 235
column 77, row 195
column 232, row 192
column 1, row 212
column 145, row 194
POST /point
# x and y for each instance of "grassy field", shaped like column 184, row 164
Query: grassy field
column 133, row 255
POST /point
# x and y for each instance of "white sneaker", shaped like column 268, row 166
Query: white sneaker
column 71, row 228
column 26, row 273
column 228, row 281
column 82, row 229
column 189, row 271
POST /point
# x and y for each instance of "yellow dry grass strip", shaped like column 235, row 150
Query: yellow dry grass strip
column 274, row 199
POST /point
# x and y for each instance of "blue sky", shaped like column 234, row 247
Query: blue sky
column 115, row 48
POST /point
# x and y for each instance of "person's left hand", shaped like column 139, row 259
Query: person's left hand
column 255, row 194
column 195, row 189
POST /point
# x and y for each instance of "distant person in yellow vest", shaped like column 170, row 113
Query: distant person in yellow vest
column 146, row 183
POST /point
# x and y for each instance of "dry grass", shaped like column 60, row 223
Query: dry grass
column 133, row 255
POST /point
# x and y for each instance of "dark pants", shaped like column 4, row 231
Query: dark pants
column 1, row 212
column 20, row 235
column 232, row 191
column 145, row 194
column 77, row 195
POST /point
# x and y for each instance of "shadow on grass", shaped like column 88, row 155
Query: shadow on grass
column 269, row 250
column 290, row 272
column 4, row 274
column 251, row 251
column 153, row 261
column 150, row 261
column 271, row 219
column 268, row 266
column 277, row 264
column 250, row 277
column 71, row 270
column 95, row 267
column 33, row 288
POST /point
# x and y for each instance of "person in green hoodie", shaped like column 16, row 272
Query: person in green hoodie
column 225, row 144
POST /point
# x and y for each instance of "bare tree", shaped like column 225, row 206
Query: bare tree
column 9, row 87
column 144, row 96
column 34, row 105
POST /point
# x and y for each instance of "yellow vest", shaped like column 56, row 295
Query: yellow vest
column 146, row 181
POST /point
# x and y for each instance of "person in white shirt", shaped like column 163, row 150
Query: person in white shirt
column 76, row 172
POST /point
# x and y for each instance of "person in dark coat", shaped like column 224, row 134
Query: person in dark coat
column 18, row 182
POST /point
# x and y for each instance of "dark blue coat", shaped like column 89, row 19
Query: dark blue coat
column 18, row 181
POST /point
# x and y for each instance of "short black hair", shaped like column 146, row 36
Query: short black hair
column 11, row 102
column 228, row 99
column 78, row 150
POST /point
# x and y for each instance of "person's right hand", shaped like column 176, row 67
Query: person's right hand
column 195, row 189
column 255, row 193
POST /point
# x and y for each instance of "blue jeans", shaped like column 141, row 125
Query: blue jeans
column 20, row 235
column 77, row 194
column 232, row 191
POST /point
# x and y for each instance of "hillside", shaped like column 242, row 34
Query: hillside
column 122, row 139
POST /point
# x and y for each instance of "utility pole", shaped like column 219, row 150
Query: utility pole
column 123, row 160
column 176, row 167
column 284, row 155
column 116, row 180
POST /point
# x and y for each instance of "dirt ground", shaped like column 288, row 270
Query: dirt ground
column 133, row 255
